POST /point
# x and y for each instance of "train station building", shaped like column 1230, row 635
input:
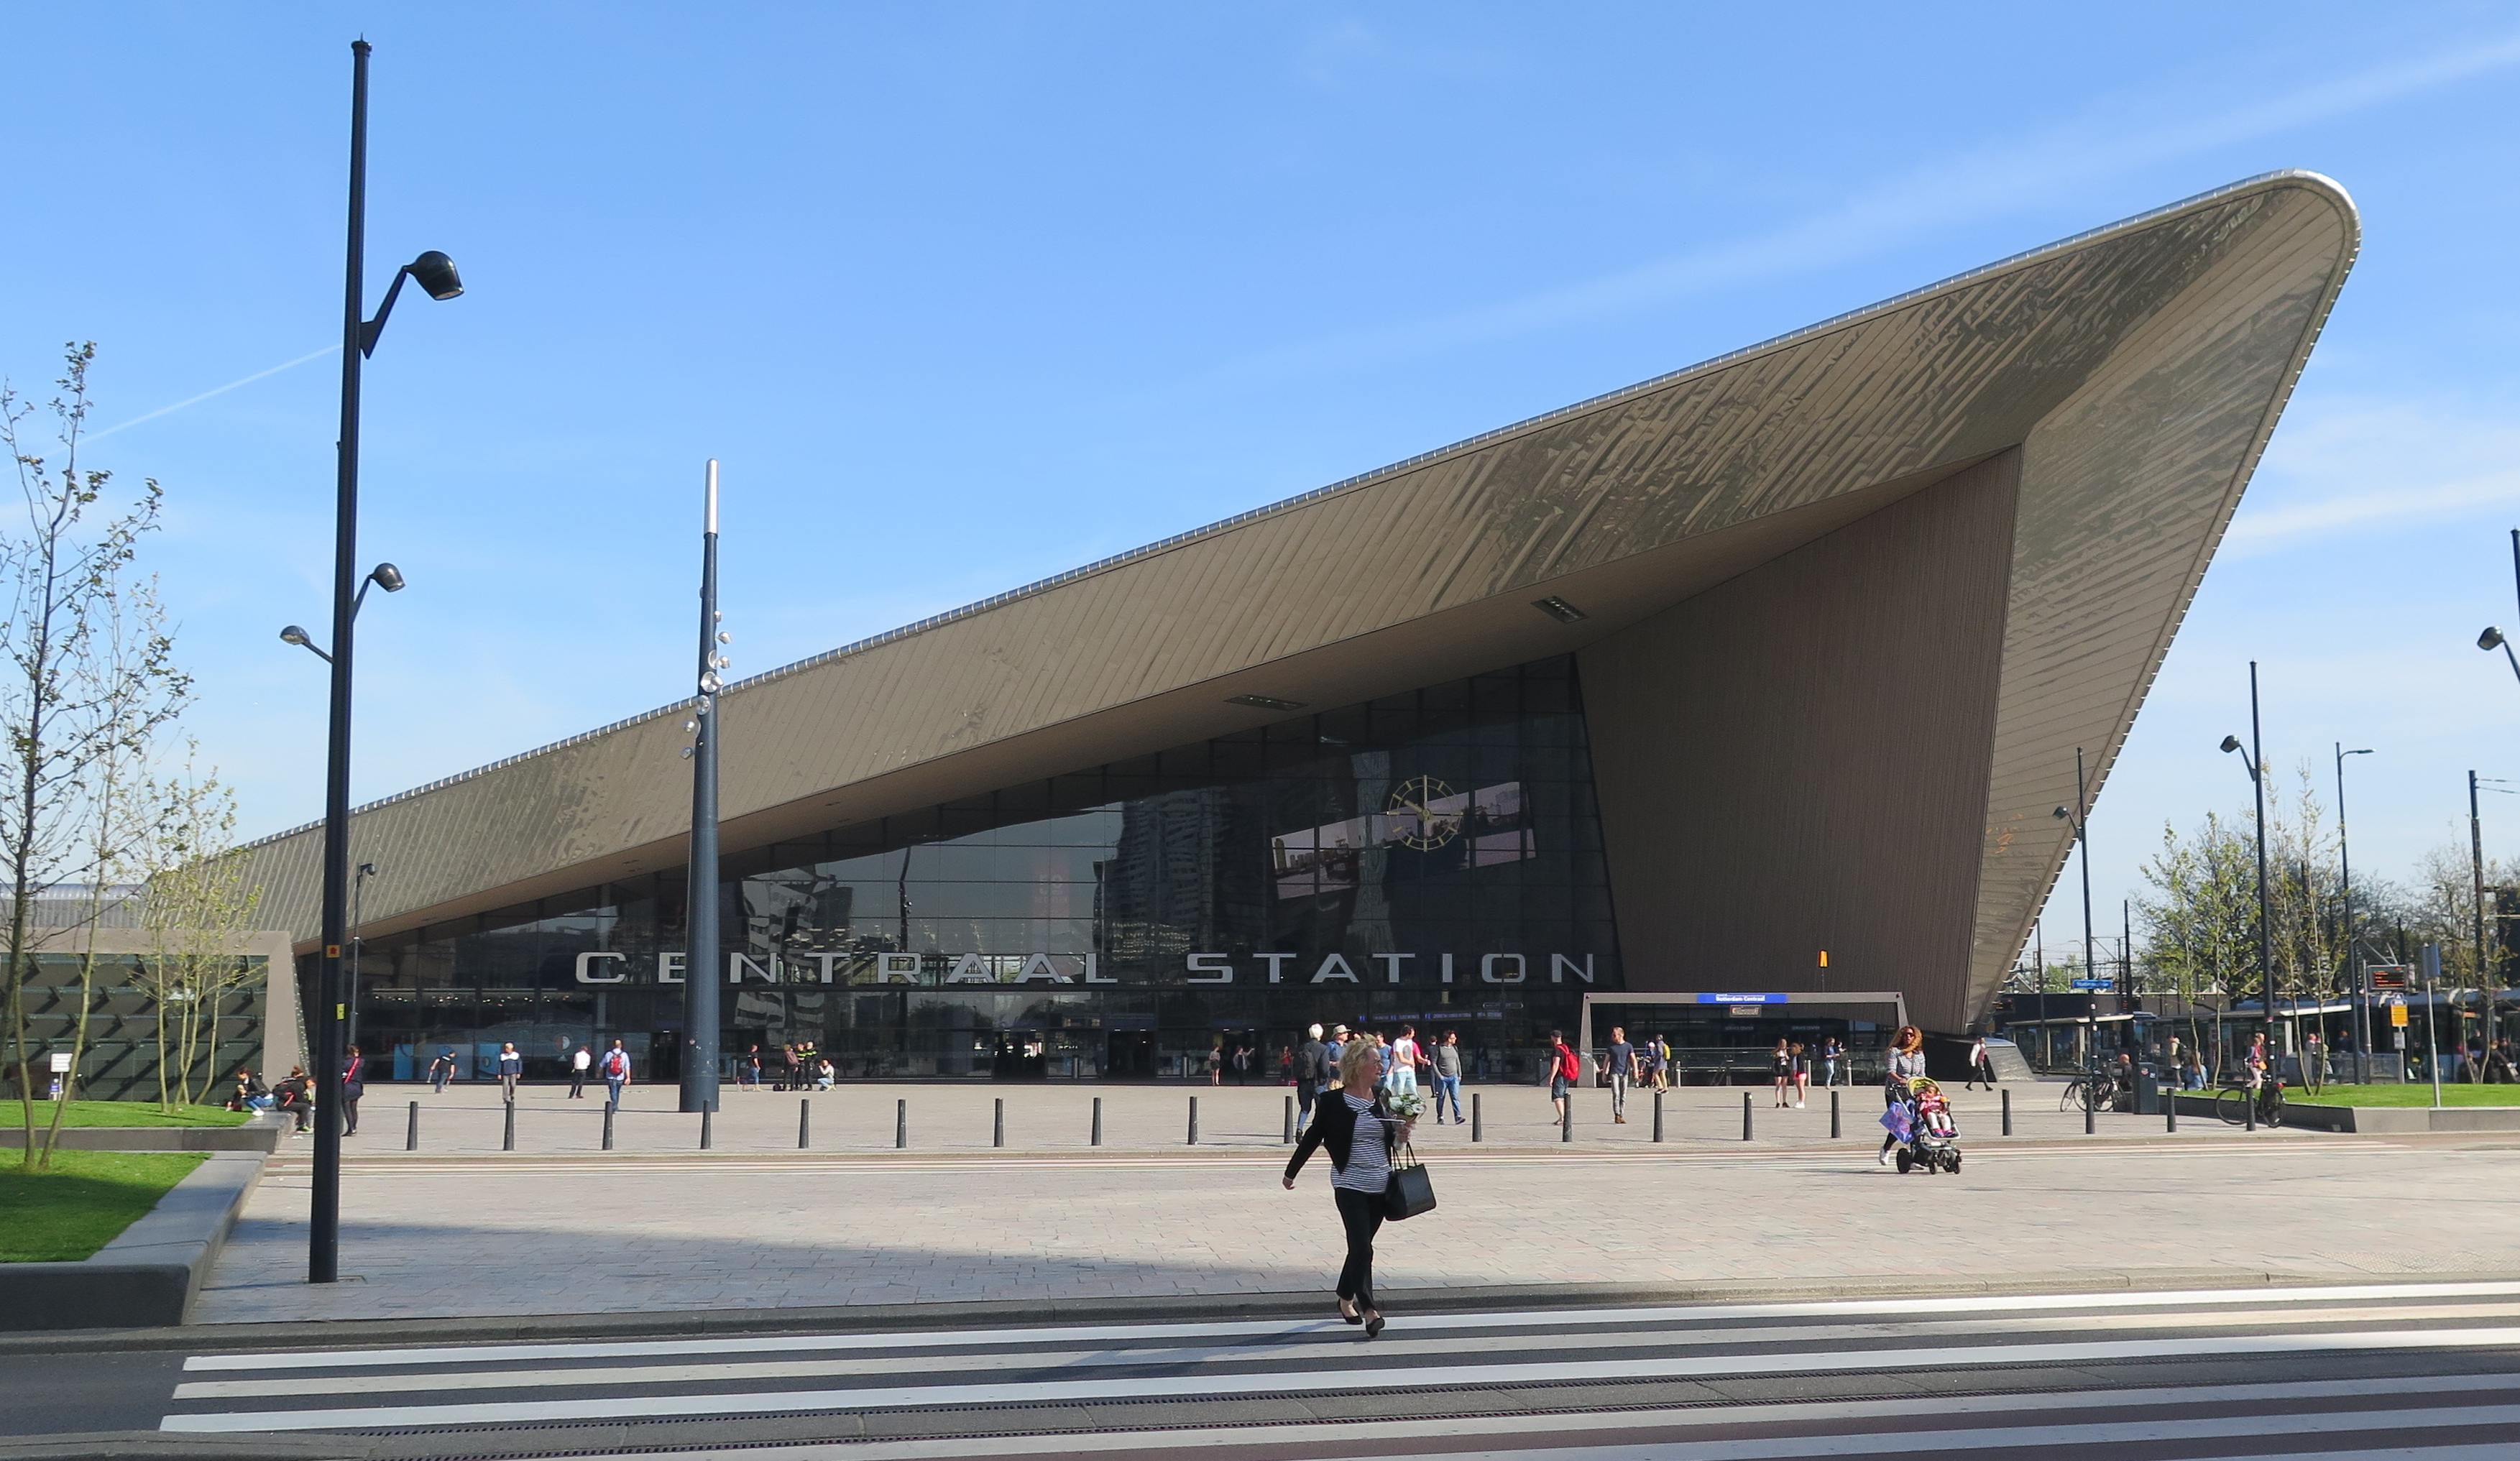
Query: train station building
column 1757, row 679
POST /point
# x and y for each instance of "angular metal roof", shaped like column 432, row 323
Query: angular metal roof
column 2139, row 367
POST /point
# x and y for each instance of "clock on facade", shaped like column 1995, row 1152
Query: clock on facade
column 1425, row 830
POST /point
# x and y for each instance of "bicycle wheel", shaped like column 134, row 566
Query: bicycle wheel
column 2270, row 1114
column 2233, row 1106
column 2074, row 1093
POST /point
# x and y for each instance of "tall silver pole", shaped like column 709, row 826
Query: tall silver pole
column 703, row 969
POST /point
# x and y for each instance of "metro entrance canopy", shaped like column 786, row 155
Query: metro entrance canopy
column 1663, row 692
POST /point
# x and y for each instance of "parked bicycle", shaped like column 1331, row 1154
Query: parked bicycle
column 2092, row 1089
column 2232, row 1103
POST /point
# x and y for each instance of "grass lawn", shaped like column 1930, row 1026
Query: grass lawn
column 2406, row 1095
column 83, row 1203
column 125, row 1114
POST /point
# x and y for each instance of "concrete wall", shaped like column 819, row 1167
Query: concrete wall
column 1796, row 760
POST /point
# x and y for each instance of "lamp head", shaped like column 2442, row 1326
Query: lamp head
column 387, row 577
column 2490, row 639
column 435, row 273
column 366, row 869
column 292, row 635
column 2061, row 815
column 2231, row 742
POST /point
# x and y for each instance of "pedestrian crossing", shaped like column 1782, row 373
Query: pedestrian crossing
column 2434, row 1367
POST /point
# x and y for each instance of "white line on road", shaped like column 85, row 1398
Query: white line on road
column 1213, row 1385
column 930, row 1339
column 1319, row 1342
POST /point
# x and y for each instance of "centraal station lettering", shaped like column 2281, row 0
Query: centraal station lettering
column 1048, row 968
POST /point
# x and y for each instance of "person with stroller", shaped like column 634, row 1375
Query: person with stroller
column 1906, row 1063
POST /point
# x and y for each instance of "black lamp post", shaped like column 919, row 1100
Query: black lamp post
column 2353, row 950
column 358, row 920
column 703, row 969
column 2258, row 783
column 437, row 278
column 2081, row 820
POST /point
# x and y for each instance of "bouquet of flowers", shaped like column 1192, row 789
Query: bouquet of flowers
column 1405, row 1105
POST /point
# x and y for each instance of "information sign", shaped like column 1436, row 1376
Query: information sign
column 2091, row 985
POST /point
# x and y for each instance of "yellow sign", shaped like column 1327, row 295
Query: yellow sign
column 2397, row 1016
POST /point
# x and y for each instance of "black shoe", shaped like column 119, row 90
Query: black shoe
column 1343, row 1313
column 1374, row 1326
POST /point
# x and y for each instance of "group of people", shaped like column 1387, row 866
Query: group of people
column 295, row 1095
column 1402, row 1062
column 1789, row 1066
column 1239, row 1061
column 796, row 1067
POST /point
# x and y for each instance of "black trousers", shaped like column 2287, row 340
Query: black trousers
column 576, row 1083
column 1361, row 1213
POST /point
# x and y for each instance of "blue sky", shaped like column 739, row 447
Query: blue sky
column 964, row 296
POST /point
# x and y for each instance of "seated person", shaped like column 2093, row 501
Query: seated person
column 297, row 1094
column 251, row 1095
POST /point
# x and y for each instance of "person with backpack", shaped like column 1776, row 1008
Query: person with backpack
column 1565, row 1068
column 616, row 1075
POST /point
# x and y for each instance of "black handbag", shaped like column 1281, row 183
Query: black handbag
column 1409, row 1190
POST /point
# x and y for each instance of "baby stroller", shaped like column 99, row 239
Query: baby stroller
column 1931, row 1139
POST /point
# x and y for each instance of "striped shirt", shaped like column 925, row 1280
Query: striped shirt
column 1368, row 1163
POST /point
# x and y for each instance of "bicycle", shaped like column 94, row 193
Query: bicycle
column 2093, row 1090
column 2232, row 1103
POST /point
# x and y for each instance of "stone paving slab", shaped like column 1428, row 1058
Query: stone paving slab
column 673, row 1231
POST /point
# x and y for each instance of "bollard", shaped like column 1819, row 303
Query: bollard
column 1478, row 1128
column 1657, row 1116
column 1289, row 1138
column 2170, row 1108
column 411, row 1133
column 2249, row 1112
column 1194, row 1121
column 1745, row 1115
column 704, row 1126
column 804, row 1125
column 2008, row 1113
column 1566, row 1122
column 2090, row 1115
column 607, row 1128
column 507, row 1142
column 1098, row 1120
column 901, row 1125
column 1836, row 1129
column 998, row 1127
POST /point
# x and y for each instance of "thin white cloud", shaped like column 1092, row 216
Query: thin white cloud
column 2360, row 466
column 1990, row 182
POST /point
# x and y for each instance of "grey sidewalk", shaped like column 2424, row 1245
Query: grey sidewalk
column 724, row 1230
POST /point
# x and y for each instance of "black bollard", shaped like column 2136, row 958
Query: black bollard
column 411, row 1130
column 607, row 1127
column 1657, row 1116
column 804, row 1125
column 2008, row 1113
column 1289, row 1138
column 2170, row 1108
column 901, row 1125
column 1478, row 1128
column 1098, row 1120
column 2249, row 1112
column 1836, row 1126
column 507, row 1142
column 998, row 1125
column 1194, row 1121
column 1745, row 1115
column 704, row 1126
column 1567, row 1122
column 2091, row 1114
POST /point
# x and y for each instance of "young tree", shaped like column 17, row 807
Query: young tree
column 66, row 707
column 2200, row 918
column 198, row 900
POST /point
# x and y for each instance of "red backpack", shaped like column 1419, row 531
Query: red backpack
column 1567, row 1065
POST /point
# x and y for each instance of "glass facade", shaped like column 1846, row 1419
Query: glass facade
column 1431, row 858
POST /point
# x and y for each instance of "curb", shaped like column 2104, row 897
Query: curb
column 1158, row 1309
column 149, row 1275
column 260, row 1134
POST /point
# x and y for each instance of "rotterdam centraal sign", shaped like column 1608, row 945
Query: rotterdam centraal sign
column 1082, row 968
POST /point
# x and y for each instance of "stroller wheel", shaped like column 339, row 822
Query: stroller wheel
column 1906, row 1160
column 1956, row 1164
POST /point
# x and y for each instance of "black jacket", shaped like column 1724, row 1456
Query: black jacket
column 1334, row 1126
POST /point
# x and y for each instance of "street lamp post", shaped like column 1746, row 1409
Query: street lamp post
column 2353, row 950
column 358, row 902
column 439, row 279
column 703, row 969
column 2487, row 984
column 2258, row 783
column 2080, row 817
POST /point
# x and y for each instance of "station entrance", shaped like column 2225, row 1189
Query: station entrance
column 1727, row 1038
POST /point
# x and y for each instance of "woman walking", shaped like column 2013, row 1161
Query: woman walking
column 1361, row 1133
column 1780, row 1065
column 1907, row 1062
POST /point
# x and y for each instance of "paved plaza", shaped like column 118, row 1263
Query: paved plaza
column 560, row 1228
